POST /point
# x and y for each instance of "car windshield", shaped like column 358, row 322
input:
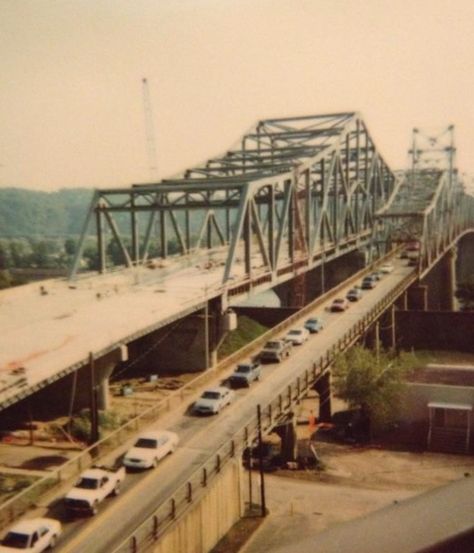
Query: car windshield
column 243, row 369
column 353, row 291
column 147, row 443
column 312, row 321
column 88, row 484
column 272, row 345
column 295, row 332
column 339, row 300
column 210, row 395
column 14, row 539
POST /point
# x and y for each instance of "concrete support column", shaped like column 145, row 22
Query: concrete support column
column 287, row 433
column 449, row 270
column 418, row 297
column 323, row 388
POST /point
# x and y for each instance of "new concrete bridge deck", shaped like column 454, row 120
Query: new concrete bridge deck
column 49, row 328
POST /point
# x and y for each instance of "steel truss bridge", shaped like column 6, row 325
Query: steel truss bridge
column 295, row 193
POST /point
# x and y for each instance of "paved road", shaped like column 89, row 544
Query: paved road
column 200, row 437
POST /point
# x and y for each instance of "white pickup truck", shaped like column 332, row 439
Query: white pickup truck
column 93, row 486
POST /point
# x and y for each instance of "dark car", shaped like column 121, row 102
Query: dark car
column 350, row 425
column 268, row 452
column 368, row 283
column 354, row 294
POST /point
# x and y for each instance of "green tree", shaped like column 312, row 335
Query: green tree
column 5, row 258
column 91, row 256
column 6, row 280
column 374, row 383
column 70, row 246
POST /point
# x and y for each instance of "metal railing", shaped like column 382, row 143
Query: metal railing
column 178, row 503
column 19, row 504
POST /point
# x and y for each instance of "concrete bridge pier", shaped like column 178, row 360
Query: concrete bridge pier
column 323, row 389
column 441, row 283
column 417, row 297
column 289, row 443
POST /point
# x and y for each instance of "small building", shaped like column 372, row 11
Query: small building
column 440, row 399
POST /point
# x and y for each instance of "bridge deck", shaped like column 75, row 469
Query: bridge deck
column 51, row 333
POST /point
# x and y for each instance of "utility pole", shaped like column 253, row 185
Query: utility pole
column 263, row 506
column 94, row 413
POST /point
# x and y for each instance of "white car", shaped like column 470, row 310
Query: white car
column 150, row 448
column 213, row 400
column 32, row 536
column 297, row 336
column 386, row 268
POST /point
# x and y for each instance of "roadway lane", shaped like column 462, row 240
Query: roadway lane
column 201, row 437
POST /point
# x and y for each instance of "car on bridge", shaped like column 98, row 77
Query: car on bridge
column 33, row 535
column 339, row 304
column 213, row 400
column 386, row 268
column 354, row 294
column 150, row 448
column 275, row 350
column 245, row 374
column 313, row 325
column 93, row 486
column 297, row 336
column 368, row 283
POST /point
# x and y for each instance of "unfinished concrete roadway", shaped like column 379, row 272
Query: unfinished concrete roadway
column 200, row 437
column 49, row 328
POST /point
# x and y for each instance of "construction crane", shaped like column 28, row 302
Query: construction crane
column 150, row 132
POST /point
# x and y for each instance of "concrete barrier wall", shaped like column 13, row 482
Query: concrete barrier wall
column 222, row 504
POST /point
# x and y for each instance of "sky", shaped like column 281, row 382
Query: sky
column 71, row 96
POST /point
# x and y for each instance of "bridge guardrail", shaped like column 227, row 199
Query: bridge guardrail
column 182, row 499
column 19, row 504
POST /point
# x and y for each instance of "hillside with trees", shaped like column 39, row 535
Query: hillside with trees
column 32, row 213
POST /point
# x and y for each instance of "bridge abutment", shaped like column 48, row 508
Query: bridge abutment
column 210, row 517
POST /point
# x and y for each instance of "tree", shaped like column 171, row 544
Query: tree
column 70, row 246
column 373, row 383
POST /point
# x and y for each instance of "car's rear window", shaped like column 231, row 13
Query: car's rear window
column 147, row 443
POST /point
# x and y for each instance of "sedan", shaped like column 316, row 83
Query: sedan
column 297, row 336
column 213, row 400
column 368, row 283
column 313, row 325
column 149, row 448
column 33, row 536
column 386, row 268
column 354, row 294
column 339, row 304
column 377, row 275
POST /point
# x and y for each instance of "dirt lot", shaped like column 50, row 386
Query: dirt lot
column 355, row 481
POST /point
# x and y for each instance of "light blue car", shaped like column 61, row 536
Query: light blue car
column 313, row 325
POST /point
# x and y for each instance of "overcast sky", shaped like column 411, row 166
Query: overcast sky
column 71, row 103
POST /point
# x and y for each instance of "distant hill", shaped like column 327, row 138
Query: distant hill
column 26, row 212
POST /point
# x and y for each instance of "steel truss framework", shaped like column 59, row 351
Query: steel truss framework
column 430, row 206
column 294, row 191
